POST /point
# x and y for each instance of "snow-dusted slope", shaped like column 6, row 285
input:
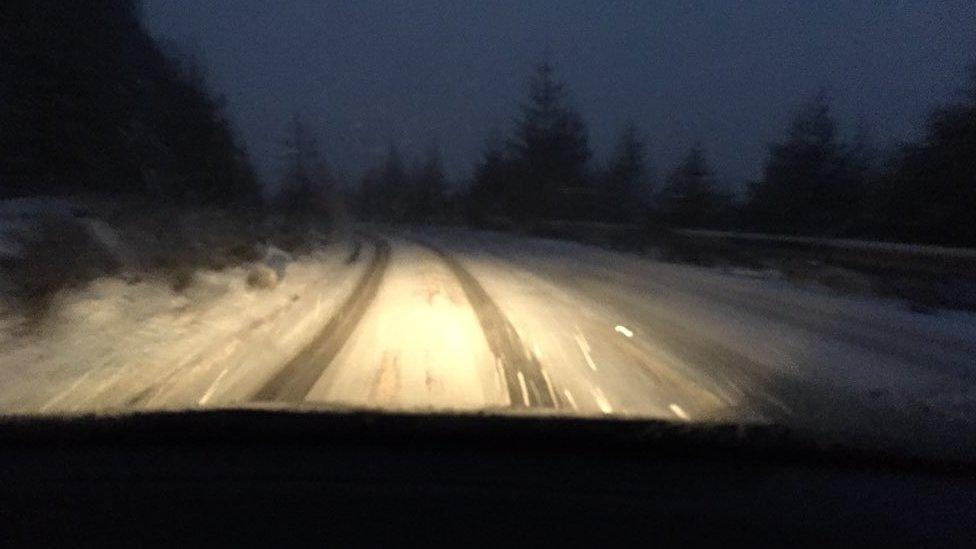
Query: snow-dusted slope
column 115, row 344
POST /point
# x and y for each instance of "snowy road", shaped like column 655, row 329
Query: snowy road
column 468, row 320
column 445, row 331
column 454, row 319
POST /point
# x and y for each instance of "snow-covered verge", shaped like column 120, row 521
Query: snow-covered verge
column 132, row 316
column 50, row 245
column 927, row 277
column 116, row 344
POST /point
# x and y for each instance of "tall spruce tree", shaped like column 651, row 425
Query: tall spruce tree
column 626, row 185
column 689, row 197
column 812, row 183
column 491, row 193
column 429, row 189
column 550, row 150
column 929, row 195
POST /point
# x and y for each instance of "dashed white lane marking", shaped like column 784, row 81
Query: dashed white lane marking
column 535, row 350
column 552, row 392
column 584, row 347
column 679, row 412
column 57, row 399
column 213, row 387
column 601, row 400
column 499, row 376
column 623, row 330
column 525, row 390
column 569, row 397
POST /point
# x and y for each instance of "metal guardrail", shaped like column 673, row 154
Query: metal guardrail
column 845, row 244
column 862, row 254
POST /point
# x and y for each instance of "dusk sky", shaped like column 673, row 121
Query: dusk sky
column 366, row 73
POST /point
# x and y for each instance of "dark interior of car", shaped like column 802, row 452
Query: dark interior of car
column 357, row 478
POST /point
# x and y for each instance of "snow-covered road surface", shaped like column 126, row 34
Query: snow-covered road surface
column 462, row 320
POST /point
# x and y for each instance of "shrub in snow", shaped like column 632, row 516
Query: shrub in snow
column 51, row 245
column 262, row 276
column 278, row 260
column 181, row 278
column 60, row 253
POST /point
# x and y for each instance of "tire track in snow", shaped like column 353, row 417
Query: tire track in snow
column 528, row 386
column 293, row 382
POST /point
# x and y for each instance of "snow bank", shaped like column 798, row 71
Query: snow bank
column 118, row 344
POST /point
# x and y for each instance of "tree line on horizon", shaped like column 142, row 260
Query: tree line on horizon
column 814, row 181
column 92, row 104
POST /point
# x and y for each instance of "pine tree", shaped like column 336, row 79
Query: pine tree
column 812, row 183
column 930, row 194
column 367, row 196
column 392, row 187
column 626, row 187
column 194, row 154
column 306, row 164
column 306, row 196
column 429, row 189
column 491, row 194
column 689, row 198
column 550, row 149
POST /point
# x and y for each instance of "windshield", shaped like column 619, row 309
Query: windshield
column 756, row 214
